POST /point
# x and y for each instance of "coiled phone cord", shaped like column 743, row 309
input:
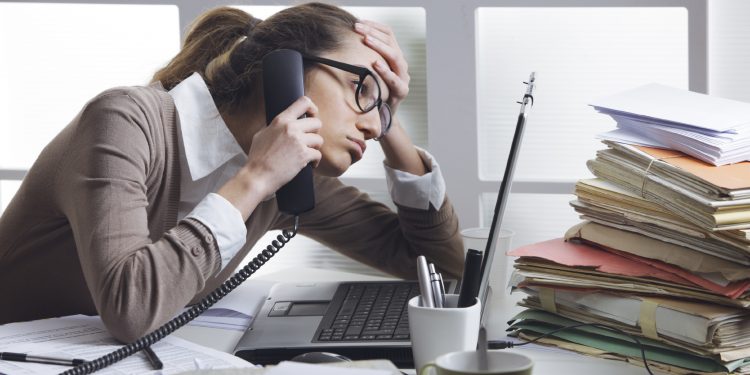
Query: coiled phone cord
column 197, row 309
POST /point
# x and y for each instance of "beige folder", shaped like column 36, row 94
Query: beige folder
column 647, row 247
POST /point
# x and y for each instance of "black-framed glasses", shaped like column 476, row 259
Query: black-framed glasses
column 367, row 92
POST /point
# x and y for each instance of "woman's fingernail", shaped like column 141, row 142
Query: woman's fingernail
column 359, row 26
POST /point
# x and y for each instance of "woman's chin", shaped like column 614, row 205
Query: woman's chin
column 330, row 169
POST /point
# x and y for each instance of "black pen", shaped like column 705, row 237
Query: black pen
column 155, row 361
column 20, row 357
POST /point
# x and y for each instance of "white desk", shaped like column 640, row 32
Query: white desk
column 546, row 360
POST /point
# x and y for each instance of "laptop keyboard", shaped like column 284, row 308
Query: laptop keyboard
column 368, row 312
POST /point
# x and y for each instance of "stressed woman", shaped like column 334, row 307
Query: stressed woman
column 152, row 196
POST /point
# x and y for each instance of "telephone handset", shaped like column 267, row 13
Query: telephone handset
column 283, row 84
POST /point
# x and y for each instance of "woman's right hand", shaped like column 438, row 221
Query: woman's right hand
column 277, row 154
column 288, row 144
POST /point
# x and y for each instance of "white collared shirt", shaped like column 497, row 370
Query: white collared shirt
column 210, row 156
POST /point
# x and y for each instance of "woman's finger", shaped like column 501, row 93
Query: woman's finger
column 383, row 28
column 398, row 85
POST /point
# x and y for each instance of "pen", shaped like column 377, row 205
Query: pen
column 425, row 288
column 20, row 357
column 435, row 283
column 442, row 286
column 155, row 361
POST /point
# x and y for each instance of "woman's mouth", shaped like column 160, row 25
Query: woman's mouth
column 359, row 148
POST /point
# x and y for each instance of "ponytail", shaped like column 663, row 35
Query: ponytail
column 226, row 46
column 211, row 35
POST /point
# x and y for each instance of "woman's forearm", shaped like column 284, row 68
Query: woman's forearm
column 400, row 152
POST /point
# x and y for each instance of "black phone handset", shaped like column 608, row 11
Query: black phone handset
column 283, row 84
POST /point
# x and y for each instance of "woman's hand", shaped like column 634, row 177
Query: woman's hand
column 278, row 152
column 398, row 148
column 395, row 73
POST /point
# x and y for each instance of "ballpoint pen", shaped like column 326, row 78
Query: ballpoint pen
column 156, row 363
column 20, row 357
column 442, row 286
column 435, row 284
column 425, row 288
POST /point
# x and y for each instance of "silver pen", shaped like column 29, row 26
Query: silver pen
column 423, row 275
column 435, row 283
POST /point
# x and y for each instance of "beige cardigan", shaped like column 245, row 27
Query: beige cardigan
column 93, row 228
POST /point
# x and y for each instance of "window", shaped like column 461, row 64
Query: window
column 55, row 57
column 579, row 53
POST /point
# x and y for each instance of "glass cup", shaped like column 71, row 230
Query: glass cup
column 476, row 238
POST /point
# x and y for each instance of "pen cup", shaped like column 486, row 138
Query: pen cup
column 436, row 331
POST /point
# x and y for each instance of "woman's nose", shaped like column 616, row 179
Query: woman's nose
column 369, row 124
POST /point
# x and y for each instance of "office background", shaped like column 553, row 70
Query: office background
column 467, row 60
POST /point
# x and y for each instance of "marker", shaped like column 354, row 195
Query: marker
column 471, row 280
column 20, row 357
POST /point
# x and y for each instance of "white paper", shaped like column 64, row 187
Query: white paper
column 86, row 338
column 669, row 104
column 296, row 368
column 237, row 310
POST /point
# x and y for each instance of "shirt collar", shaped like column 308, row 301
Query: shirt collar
column 207, row 140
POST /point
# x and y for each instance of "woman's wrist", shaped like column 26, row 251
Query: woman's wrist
column 245, row 191
column 400, row 152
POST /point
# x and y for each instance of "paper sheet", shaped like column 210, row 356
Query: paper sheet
column 237, row 310
column 86, row 338
column 678, row 106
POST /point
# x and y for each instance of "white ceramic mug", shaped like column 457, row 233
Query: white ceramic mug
column 499, row 362
column 436, row 331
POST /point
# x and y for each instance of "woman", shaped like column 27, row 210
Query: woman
column 153, row 195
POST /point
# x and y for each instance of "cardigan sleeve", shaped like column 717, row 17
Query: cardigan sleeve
column 136, row 282
column 352, row 223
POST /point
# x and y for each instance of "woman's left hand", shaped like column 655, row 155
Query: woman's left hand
column 395, row 72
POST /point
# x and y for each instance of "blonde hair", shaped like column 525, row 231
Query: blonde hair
column 227, row 46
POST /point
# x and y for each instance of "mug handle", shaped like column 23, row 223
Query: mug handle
column 424, row 369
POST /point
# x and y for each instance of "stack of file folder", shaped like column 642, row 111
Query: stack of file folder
column 662, row 254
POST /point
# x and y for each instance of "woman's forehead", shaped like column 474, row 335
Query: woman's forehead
column 355, row 52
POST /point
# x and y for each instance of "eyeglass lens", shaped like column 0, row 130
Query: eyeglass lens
column 368, row 97
column 368, row 93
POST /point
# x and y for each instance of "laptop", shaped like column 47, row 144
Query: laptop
column 359, row 320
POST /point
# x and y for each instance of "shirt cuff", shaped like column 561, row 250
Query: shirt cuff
column 417, row 191
column 225, row 222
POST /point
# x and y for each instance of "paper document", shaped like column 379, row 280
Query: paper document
column 678, row 106
column 237, row 310
column 85, row 337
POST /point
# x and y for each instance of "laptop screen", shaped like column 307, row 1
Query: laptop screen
column 502, row 195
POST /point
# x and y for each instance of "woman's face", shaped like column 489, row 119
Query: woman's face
column 345, row 129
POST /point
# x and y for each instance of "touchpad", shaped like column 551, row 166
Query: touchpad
column 308, row 309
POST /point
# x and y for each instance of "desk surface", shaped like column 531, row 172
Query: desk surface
column 546, row 360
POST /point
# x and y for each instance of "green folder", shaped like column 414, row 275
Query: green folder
column 541, row 322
